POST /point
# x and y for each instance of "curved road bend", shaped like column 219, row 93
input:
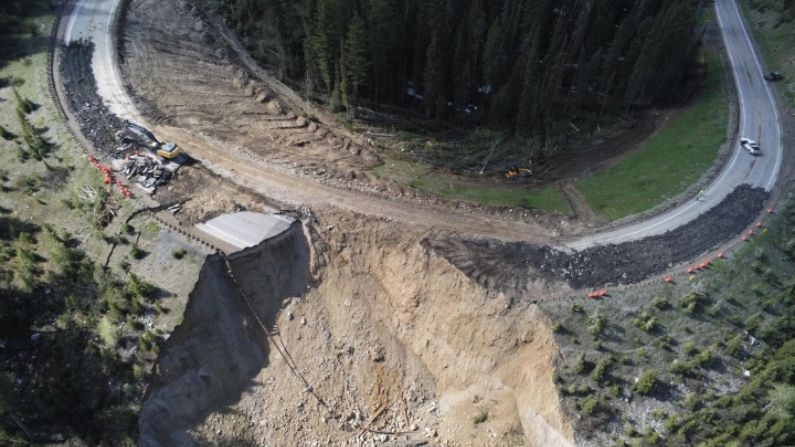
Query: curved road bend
column 759, row 120
column 94, row 20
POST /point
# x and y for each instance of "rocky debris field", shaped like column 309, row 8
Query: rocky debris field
column 509, row 264
column 98, row 124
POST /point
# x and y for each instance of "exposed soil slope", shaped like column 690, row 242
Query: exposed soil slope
column 184, row 76
column 400, row 346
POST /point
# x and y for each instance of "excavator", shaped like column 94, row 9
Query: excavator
column 137, row 134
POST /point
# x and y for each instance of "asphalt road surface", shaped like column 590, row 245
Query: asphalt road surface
column 759, row 120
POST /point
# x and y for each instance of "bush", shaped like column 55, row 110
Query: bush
column 691, row 302
column 690, row 349
column 6, row 135
column 589, row 405
column 480, row 417
column 646, row 383
column 681, row 368
column 600, row 369
column 752, row 322
column 180, row 253
column 580, row 363
column 137, row 253
column 597, row 325
column 735, row 346
column 661, row 303
column 705, row 358
column 108, row 333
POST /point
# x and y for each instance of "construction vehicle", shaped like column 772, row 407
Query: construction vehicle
column 517, row 173
column 136, row 134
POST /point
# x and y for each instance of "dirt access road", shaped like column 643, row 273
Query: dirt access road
column 95, row 20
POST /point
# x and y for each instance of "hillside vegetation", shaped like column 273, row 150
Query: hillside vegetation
column 538, row 67
column 707, row 360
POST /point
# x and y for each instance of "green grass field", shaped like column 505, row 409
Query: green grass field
column 670, row 161
column 421, row 176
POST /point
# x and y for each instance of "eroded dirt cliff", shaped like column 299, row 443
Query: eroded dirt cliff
column 398, row 347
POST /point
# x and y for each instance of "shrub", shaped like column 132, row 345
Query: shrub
column 597, row 324
column 580, row 363
column 691, row 401
column 690, row 349
column 137, row 253
column 735, row 346
column 681, row 368
column 589, row 405
column 752, row 322
column 646, row 383
column 600, row 369
column 180, row 253
column 108, row 333
column 480, row 417
column 691, row 302
column 6, row 135
column 661, row 303
column 645, row 321
column 705, row 358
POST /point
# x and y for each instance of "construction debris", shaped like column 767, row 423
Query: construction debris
column 147, row 170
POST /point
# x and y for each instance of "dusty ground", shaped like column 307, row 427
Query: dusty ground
column 164, row 41
column 515, row 266
column 401, row 347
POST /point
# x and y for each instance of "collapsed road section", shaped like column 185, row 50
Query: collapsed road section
column 507, row 264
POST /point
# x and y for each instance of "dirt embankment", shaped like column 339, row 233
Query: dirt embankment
column 401, row 347
column 513, row 267
column 182, row 74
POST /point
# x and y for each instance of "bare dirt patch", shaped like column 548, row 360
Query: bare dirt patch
column 183, row 75
column 509, row 266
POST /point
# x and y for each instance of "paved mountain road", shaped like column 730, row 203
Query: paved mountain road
column 95, row 20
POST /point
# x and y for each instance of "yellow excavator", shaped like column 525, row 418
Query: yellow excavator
column 141, row 135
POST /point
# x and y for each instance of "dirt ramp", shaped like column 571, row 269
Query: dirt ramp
column 215, row 354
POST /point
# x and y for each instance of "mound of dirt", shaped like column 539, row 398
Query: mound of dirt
column 396, row 345
column 515, row 266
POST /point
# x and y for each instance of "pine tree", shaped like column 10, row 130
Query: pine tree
column 357, row 64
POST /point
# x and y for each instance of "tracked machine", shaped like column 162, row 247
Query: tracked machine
column 136, row 135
